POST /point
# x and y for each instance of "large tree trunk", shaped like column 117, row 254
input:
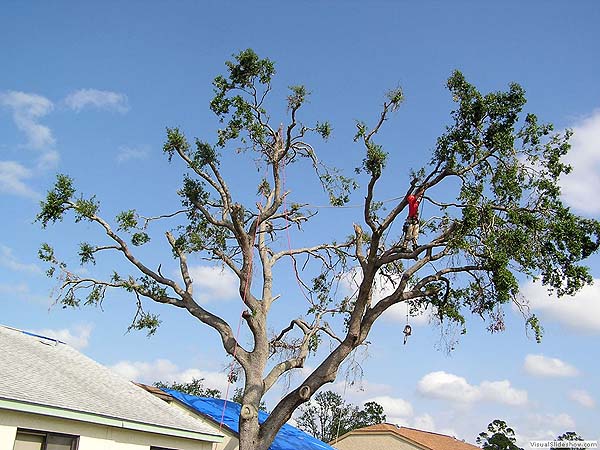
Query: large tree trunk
column 249, row 439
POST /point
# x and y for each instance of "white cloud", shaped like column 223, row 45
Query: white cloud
column 502, row 392
column 13, row 177
column 545, row 426
column 447, row 386
column 9, row 261
column 383, row 287
column 543, row 366
column 167, row 371
column 95, row 98
column 582, row 397
column 580, row 312
column 396, row 409
column 27, row 109
column 131, row 153
column 213, row 283
column 580, row 187
column 77, row 338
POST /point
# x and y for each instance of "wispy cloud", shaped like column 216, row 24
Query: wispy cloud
column 131, row 153
column 580, row 313
column 94, row 98
column 9, row 261
column 13, row 180
column 582, row 397
column 27, row 109
column 447, row 386
column 543, row 366
column 78, row 337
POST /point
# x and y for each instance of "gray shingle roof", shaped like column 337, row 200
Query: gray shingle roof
column 46, row 372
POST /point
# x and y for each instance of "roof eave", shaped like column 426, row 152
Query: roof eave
column 82, row 416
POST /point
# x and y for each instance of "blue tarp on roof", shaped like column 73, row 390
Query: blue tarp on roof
column 288, row 438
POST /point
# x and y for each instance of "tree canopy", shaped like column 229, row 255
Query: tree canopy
column 499, row 436
column 568, row 436
column 328, row 416
column 195, row 387
column 492, row 179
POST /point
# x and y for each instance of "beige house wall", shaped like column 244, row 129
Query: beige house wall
column 373, row 441
column 7, row 434
column 91, row 436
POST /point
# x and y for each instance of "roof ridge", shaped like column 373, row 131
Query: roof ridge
column 430, row 432
column 30, row 333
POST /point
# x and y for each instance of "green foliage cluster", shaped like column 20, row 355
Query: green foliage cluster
column 569, row 436
column 499, row 436
column 328, row 416
column 511, row 219
column 57, row 199
column 245, row 73
column 376, row 158
column 145, row 321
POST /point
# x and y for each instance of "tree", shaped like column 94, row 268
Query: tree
column 493, row 179
column 194, row 387
column 328, row 416
column 568, row 436
column 371, row 414
column 499, row 436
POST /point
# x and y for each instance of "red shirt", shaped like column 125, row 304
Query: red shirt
column 413, row 205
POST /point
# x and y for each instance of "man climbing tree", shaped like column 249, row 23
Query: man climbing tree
column 492, row 179
column 411, row 226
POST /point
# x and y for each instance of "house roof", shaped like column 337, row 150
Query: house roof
column 46, row 376
column 426, row 439
column 218, row 410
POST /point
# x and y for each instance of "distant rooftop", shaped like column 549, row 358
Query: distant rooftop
column 428, row 439
column 36, row 370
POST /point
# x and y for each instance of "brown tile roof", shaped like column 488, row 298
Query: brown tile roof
column 426, row 439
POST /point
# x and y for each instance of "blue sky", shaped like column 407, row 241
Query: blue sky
column 89, row 89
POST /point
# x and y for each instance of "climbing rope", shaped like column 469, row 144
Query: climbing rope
column 289, row 240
